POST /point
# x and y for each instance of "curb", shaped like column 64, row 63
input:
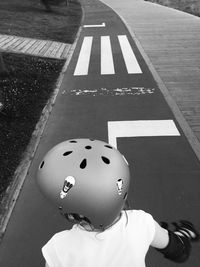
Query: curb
column 13, row 191
column 191, row 137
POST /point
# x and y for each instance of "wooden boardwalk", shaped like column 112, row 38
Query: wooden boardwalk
column 171, row 41
column 42, row 48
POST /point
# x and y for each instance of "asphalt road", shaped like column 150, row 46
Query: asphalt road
column 108, row 93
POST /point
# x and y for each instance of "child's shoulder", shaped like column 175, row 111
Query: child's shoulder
column 139, row 220
column 67, row 234
column 61, row 235
column 137, row 215
column 133, row 212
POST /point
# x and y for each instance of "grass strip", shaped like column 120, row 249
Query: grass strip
column 29, row 18
column 25, row 91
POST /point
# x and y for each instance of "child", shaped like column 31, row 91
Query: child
column 88, row 180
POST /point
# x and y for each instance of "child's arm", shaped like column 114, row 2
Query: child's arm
column 46, row 264
column 175, row 245
column 161, row 238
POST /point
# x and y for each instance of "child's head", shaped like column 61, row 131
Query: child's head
column 87, row 180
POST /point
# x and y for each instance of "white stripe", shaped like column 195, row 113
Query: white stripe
column 82, row 65
column 129, row 57
column 95, row 25
column 107, row 64
column 140, row 128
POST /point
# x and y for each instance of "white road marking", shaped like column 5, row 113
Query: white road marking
column 107, row 64
column 95, row 25
column 140, row 128
column 139, row 91
column 129, row 56
column 82, row 65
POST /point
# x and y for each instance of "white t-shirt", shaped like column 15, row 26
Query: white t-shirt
column 125, row 244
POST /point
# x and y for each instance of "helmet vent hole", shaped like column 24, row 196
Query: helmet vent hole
column 67, row 153
column 73, row 141
column 105, row 160
column 109, row 146
column 83, row 164
column 42, row 164
column 88, row 147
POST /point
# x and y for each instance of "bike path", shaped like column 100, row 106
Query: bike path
column 165, row 180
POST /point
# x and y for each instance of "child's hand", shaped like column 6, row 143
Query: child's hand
column 180, row 238
column 186, row 228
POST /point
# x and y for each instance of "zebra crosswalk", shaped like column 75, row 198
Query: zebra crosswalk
column 107, row 56
column 107, row 63
column 82, row 65
column 128, row 55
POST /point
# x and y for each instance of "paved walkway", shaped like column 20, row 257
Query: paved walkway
column 171, row 41
column 42, row 48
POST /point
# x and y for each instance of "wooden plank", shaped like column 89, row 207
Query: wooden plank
column 15, row 45
column 23, row 44
column 45, row 48
column 33, row 47
column 65, row 52
column 9, row 44
column 56, row 48
column 50, row 50
column 39, row 47
column 3, row 38
column 27, row 45
column 10, row 38
column 60, row 51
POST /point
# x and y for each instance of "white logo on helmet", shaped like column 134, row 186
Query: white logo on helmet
column 68, row 184
column 120, row 186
